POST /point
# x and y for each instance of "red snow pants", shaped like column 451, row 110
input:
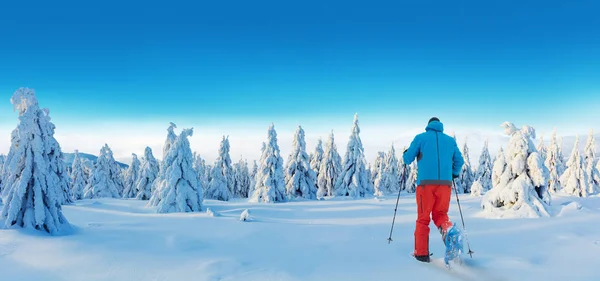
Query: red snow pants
column 433, row 202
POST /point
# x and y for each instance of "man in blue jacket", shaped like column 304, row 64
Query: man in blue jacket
column 439, row 163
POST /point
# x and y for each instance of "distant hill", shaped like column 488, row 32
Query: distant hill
column 92, row 158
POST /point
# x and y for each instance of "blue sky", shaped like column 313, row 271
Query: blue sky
column 218, row 61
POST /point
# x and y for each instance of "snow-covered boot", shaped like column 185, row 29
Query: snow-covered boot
column 453, row 240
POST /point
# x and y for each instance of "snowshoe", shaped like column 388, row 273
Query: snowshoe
column 453, row 240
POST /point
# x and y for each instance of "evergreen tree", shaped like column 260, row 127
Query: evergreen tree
column 377, row 174
column 200, row 168
column 411, row 181
column 403, row 172
column 178, row 188
column 542, row 149
column 392, row 179
column 149, row 170
column 466, row 177
column 329, row 170
column 353, row 180
column 554, row 164
column 270, row 184
column 132, row 175
column 171, row 136
column 105, row 180
column 477, row 189
column 590, row 164
column 484, row 170
column 499, row 168
column 79, row 177
column 316, row 158
column 224, row 160
column 2, row 160
column 300, row 179
column 34, row 179
column 522, row 189
column 253, row 174
column 242, row 179
column 217, row 187
column 575, row 179
column 561, row 157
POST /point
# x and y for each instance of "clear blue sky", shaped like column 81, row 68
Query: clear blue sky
column 394, row 59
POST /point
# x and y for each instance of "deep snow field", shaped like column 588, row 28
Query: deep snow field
column 335, row 239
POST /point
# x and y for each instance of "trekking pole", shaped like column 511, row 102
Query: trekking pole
column 395, row 209
column 462, row 219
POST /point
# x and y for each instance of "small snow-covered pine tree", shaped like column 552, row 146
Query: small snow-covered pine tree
column 242, row 178
column 590, row 162
column 79, row 178
column 522, row 189
column 542, row 149
column 34, row 177
column 353, row 180
column 403, row 172
column 329, row 170
column 499, row 168
column 391, row 171
column 200, row 168
column 2, row 160
column 554, row 164
column 149, row 170
column 300, row 179
column 317, row 157
column 105, row 180
column 253, row 173
column 178, row 188
column 224, row 160
column 171, row 136
column 484, row 170
column 378, row 174
column 270, row 183
column 217, row 187
column 561, row 158
column 466, row 177
column 575, row 179
column 477, row 189
column 411, row 180
column 131, row 177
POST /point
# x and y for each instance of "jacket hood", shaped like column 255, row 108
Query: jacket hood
column 435, row 126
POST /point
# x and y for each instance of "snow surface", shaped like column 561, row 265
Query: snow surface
column 120, row 239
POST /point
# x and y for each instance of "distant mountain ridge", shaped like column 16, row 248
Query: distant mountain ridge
column 68, row 158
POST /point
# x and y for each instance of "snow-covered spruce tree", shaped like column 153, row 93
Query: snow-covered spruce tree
column 477, row 189
column 217, row 187
column 105, row 179
column 270, row 184
column 392, row 175
column 377, row 174
column 200, row 168
column 2, row 160
column 242, row 182
column 330, row 168
column 79, row 177
column 224, row 160
column 171, row 136
column 466, row 177
column 300, row 179
column 554, row 164
column 34, row 177
column 541, row 148
column 253, row 173
column 149, row 170
column 411, row 180
column 484, row 170
column 590, row 162
column 403, row 172
column 499, row 167
column 575, row 179
column 561, row 158
column 178, row 188
column 316, row 158
column 132, row 175
column 523, row 186
column 353, row 180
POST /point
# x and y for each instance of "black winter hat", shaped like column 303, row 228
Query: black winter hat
column 433, row 119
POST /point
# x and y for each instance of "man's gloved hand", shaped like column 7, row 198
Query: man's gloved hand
column 419, row 156
column 454, row 176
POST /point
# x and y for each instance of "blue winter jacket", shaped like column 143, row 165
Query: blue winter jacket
column 437, row 154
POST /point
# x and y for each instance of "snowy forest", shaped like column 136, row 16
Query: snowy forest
column 35, row 181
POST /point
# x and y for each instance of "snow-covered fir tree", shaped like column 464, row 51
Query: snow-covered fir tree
column 34, row 177
column 590, row 162
column 403, row 172
column 224, row 160
column 300, row 179
column 132, row 175
column 253, row 173
column 392, row 175
column 561, row 157
column 171, row 136
column 217, row 187
column 554, row 163
column 200, row 168
column 105, row 179
column 541, row 148
column 316, row 158
column 477, row 189
column 330, row 169
column 79, row 177
column 411, row 181
column 242, row 177
column 270, row 178
column 178, row 188
column 149, row 170
column 353, row 180
column 2, row 160
column 466, row 177
column 377, row 174
column 499, row 167
column 484, row 170
column 522, row 189
column 575, row 179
